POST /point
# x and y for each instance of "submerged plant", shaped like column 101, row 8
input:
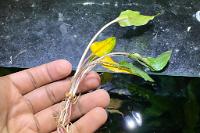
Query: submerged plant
column 101, row 53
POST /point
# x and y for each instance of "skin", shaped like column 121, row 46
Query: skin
column 30, row 100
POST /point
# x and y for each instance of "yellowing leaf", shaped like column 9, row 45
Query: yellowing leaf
column 111, row 65
column 133, row 18
column 103, row 47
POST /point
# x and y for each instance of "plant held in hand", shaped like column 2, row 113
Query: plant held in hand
column 101, row 53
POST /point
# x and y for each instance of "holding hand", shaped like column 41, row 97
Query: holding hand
column 30, row 100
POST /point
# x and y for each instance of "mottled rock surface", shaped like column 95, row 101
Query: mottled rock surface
column 33, row 32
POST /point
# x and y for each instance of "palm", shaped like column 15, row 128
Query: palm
column 30, row 100
column 20, row 117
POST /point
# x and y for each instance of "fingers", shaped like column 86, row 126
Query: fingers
column 55, row 92
column 33, row 78
column 87, row 102
column 99, row 98
column 90, row 122
column 92, row 80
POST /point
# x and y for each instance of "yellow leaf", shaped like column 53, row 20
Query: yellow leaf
column 103, row 47
column 111, row 65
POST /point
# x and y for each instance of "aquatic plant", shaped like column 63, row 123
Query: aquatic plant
column 101, row 53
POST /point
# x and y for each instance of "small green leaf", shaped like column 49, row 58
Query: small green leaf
column 159, row 62
column 136, row 71
column 103, row 47
column 133, row 18
column 155, row 64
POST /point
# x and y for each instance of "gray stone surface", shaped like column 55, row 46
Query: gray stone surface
column 33, row 32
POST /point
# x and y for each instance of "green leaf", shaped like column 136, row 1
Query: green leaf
column 133, row 18
column 155, row 64
column 136, row 71
column 103, row 47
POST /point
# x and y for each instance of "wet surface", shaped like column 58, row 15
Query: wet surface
column 171, row 105
column 34, row 32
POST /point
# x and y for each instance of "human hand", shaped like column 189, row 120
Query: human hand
column 29, row 100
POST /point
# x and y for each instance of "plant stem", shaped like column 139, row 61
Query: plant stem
column 92, row 40
column 113, row 54
column 82, row 69
column 91, row 65
column 86, row 50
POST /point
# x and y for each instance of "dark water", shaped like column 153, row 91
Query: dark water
column 170, row 105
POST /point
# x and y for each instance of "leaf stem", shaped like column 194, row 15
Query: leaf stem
column 113, row 54
column 91, row 65
column 92, row 40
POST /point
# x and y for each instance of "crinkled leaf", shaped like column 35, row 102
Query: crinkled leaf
column 133, row 18
column 136, row 71
column 103, row 47
column 107, row 62
column 155, row 64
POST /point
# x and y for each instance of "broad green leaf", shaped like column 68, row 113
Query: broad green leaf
column 136, row 71
column 133, row 18
column 107, row 62
column 103, row 47
column 155, row 64
column 159, row 62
